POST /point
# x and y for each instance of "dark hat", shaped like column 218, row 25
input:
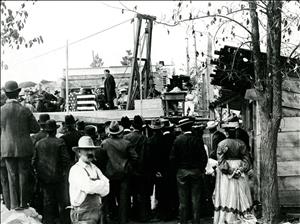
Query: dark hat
column 85, row 142
column 69, row 120
column 189, row 84
column 125, row 122
column 90, row 130
column 51, row 125
column 185, row 121
column 43, row 118
column 115, row 128
column 11, row 86
column 80, row 125
column 138, row 122
column 56, row 92
column 166, row 122
column 156, row 124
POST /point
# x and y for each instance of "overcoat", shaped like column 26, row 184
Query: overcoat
column 110, row 86
column 17, row 122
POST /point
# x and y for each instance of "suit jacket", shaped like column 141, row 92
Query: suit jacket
column 109, row 88
column 38, row 136
column 17, row 122
column 71, row 139
column 51, row 159
column 188, row 152
column 121, row 157
column 139, row 143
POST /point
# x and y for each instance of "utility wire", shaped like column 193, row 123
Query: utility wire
column 72, row 43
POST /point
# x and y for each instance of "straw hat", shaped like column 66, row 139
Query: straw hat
column 85, row 142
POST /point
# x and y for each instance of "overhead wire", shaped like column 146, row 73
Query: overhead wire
column 72, row 43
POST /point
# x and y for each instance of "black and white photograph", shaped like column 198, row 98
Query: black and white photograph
column 154, row 112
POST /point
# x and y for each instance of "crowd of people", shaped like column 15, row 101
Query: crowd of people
column 107, row 173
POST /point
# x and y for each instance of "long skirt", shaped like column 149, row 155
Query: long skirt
column 233, row 201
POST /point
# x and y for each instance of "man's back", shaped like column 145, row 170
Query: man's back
column 189, row 152
column 17, row 122
column 119, row 151
column 139, row 143
column 52, row 159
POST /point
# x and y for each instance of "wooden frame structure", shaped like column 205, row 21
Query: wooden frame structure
column 140, row 80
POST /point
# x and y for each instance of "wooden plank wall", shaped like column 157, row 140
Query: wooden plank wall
column 288, row 145
column 288, row 162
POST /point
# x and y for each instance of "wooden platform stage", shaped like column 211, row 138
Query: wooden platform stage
column 102, row 116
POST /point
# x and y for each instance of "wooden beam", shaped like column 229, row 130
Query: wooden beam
column 289, row 168
column 134, row 63
column 291, row 85
column 291, row 100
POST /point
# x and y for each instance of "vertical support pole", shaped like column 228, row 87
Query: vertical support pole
column 195, row 46
column 67, row 77
column 148, row 57
column 134, row 63
column 187, row 57
column 209, row 70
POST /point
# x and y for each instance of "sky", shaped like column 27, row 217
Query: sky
column 61, row 21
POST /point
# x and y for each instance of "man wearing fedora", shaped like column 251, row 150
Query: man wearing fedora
column 17, row 122
column 121, row 161
column 52, row 162
column 189, row 157
column 140, row 178
column 71, row 136
column 169, row 185
column 43, row 118
column 157, row 164
column 87, row 185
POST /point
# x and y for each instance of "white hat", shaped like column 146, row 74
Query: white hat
column 85, row 142
column 212, row 124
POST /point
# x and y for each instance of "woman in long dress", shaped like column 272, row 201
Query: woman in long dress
column 233, row 200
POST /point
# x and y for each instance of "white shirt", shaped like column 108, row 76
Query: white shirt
column 81, row 184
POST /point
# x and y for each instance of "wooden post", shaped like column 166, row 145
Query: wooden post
column 196, row 64
column 187, row 57
column 67, row 77
column 134, row 63
column 148, row 58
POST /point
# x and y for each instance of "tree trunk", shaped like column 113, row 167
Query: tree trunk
column 268, row 165
column 268, row 84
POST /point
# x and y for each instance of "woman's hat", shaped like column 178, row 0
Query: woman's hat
column 212, row 124
column 85, row 142
column 231, row 125
column 156, row 124
column 43, row 118
column 185, row 121
column 51, row 125
column 11, row 86
column 115, row 128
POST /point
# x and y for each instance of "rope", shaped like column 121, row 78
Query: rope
column 72, row 43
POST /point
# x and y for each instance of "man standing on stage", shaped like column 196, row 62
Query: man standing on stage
column 109, row 89
column 17, row 122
